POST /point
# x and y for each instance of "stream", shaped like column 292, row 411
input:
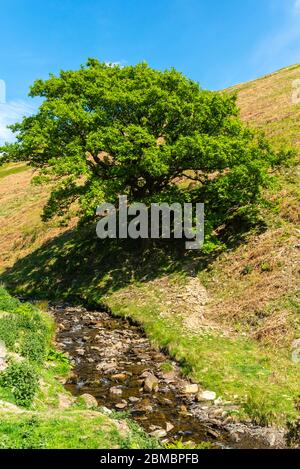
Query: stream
column 114, row 361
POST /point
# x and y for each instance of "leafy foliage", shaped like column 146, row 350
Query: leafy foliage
column 57, row 356
column 22, row 380
column 9, row 331
column 34, row 347
column 7, row 302
column 180, row 444
column 156, row 136
column 26, row 332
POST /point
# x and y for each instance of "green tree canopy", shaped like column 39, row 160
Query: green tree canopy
column 153, row 135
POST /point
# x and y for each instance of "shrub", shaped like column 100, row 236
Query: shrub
column 34, row 347
column 56, row 356
column 7, row 303
column 30, row 318
column 22, row 380
column 9, row 331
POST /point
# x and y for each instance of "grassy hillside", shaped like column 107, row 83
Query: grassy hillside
column 266, row 103
column 256, row 286
column 230, row 317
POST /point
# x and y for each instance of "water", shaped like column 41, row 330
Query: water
column 109, row 352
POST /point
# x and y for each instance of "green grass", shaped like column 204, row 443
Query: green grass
column 265, row 383
column 8, row 169
column 72, row 429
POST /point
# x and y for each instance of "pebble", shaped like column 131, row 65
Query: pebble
column 206, row 396
column 190, row 389
column 160, row 433
column 133, row 399
column 121, row 405
column 116, row 391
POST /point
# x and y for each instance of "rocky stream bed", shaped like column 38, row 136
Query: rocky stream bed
column 114, row 362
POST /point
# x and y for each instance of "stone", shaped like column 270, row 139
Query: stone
column 144, row 406
column 151, row 383
column 120, row 376
column 206, row 396
column 89, row 400
column 106, row 367
column 133, row 399
column 190, row 389
column 272, row 439
column 218, row 401
column 169, row 376
column 9, row 407
column 235, row 437
column 213, row 433
column 116, row 391
column 106, row 411
column 169, row 427
column 96, row 349
column 145, row 374
column 159, row 433
column 121, row 405
column 65, row 401
column 168, row 401
column 122, row 427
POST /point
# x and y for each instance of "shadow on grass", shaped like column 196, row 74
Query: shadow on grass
column 79, row 267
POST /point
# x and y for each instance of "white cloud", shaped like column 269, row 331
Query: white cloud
column 281, row 46
column 120, row 63
column 297, row 6
column 10, row 113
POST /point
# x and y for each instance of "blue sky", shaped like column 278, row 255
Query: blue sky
column 215, row 42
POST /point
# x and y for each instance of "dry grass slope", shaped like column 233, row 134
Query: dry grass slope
column 255, row 287
column 267, row 103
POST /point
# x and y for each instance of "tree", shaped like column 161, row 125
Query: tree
column 107, row 130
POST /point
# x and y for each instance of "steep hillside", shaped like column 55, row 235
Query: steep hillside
column 235, row 336
column 256, row 286
column 267, row 103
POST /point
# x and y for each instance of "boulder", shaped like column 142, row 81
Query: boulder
column 190, row 389
column 65, row 401
column 151, row 383
column 89, row 400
